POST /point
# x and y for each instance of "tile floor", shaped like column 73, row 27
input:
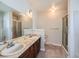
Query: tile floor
column 52, row 52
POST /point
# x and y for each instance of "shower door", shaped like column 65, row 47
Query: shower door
column 1, row 28
column 17, row 25
column 65, row 32
column 17, row 29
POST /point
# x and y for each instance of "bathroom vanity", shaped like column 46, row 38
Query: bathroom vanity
column 32, row 51
column 24, row 47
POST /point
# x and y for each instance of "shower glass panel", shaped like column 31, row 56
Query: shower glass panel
column 65, row 32
column 17, row 26
column 17, row 29
column 1, row 27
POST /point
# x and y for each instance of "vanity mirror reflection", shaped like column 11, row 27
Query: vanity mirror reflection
column 17, row 25
column 20, row 22
column 12, row 23
column 13, row 42
column 5, row 32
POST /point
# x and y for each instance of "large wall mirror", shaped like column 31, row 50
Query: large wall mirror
column 12, row 23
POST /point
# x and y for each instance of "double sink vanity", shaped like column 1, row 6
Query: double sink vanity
column 22, row 47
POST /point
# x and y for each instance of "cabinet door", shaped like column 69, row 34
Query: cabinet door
column 37, row 47
column 32, row 51
column 26, row 54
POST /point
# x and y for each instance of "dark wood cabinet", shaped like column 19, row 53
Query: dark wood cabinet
column 32, row 51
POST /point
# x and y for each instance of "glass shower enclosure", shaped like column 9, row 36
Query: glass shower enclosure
column 1, row 27
column 17, row 26
column 65, row 32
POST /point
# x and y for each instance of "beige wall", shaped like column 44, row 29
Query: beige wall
column 26, row 22
column 52, row 24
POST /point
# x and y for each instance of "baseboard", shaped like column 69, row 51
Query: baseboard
column 42, row 49
column 65, row 51
column 53, row 43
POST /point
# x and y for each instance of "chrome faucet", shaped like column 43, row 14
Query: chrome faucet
column 10, row 44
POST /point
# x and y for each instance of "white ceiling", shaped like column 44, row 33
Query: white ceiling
column 42, row 5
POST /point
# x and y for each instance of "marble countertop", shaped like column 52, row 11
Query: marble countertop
column 26, row 41
column 3, row 46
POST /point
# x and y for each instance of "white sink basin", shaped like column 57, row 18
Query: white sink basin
column 12, row 50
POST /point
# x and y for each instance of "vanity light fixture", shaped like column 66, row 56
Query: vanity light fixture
column 53, row 9
column 30, row 13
